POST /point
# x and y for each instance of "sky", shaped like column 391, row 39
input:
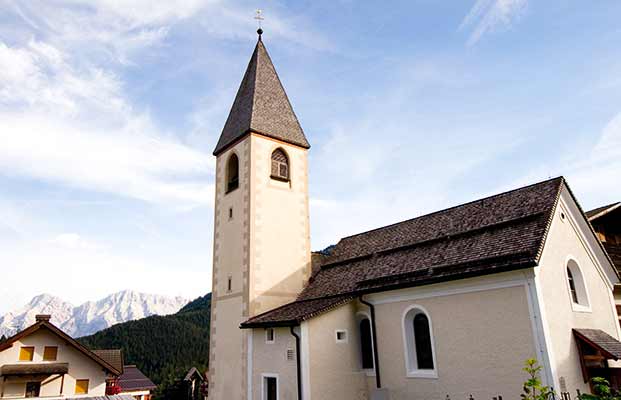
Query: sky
column 110, row 110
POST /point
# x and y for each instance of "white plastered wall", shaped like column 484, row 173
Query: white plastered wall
column 279, row 227
column 482, row 330
column 570, row 238
column 334, row 368
column 271, row 359
column 264, row 248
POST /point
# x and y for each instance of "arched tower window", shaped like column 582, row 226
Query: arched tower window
column 419, row 347
column 232, row 173
column 280, row 165
column 366, row 344
column 577, row 286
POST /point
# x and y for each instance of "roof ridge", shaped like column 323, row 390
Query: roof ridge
column 455, row 206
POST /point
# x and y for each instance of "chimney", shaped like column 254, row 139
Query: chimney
column 43, row 317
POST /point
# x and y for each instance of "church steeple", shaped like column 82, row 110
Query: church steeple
column 261, row 106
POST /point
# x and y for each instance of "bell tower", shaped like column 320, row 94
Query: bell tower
column 261, row 254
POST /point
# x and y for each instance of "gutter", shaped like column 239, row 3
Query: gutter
column 378, row 380
column 298, row 362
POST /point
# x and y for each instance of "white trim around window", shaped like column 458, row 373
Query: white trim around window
column 360, row 315
column 409, row 344
column 341, row 336
column 579, row 282
column 264, row 387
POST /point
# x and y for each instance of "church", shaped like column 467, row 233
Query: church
column 444, row 305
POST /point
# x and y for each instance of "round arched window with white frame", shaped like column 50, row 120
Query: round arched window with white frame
column 419, row 347
column 576, row 286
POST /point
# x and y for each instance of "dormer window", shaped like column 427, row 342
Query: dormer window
column 232, row 173
column 280, row 165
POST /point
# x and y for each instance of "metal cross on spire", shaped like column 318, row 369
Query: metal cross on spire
column 259, row 17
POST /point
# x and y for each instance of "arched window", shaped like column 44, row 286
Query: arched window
column 577, row 286
column 232, row 173
column 422, row 339
column 366, row 344
column 280, row 165
column 419, row 347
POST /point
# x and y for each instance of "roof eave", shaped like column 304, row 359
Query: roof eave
column 603, row 212
column 275, row 324
column 242, row 136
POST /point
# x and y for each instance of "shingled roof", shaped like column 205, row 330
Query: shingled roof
column 499, row 233
column 601, row 211
column 113, row 357
column 602, row 341
column 261, row 106
column 133, row 379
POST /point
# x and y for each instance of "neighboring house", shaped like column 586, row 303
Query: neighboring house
column 606, row 221
column 133, row 382
column 447, row 304
column 43, row 361
column 195, row 384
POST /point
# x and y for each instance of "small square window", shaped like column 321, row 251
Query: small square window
column 341, row 336
column 50, row 353
column 81, row 386
column 270, row 335
column 26, row 353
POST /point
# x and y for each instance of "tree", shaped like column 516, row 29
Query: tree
column 533, row 389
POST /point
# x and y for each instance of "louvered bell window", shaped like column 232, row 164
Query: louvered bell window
column 280, row 165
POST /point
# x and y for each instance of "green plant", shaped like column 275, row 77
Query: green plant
column 533, row 389
column 601, row 390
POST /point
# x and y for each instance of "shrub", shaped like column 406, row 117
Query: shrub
column 533, row 389
column 602, row 391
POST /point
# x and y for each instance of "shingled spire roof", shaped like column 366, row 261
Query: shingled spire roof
column 261, row 106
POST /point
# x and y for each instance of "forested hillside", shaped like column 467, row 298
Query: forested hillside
column 163, row 347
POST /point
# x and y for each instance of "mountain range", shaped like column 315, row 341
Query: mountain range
column 91, row 316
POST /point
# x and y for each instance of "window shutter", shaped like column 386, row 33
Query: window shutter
column 280, row 165
column 81, row 386
column 26, row 353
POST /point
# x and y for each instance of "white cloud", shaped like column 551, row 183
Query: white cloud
column 592, row 170
column 488, row 15
column 596, row 173
column 73, row 241
column 75, row 127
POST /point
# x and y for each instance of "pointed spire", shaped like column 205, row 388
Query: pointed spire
column 261, row 106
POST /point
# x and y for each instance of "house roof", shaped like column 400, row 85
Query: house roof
column 34, row 369
column 133, row 379
column 601, row 211
column 495, row 234
column 192, row 373
column 113, row 357
column 261, row 106
column 614, row 251
column 45, row 324
column 608, row 345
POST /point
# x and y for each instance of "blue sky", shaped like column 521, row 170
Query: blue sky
column 109, row 111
